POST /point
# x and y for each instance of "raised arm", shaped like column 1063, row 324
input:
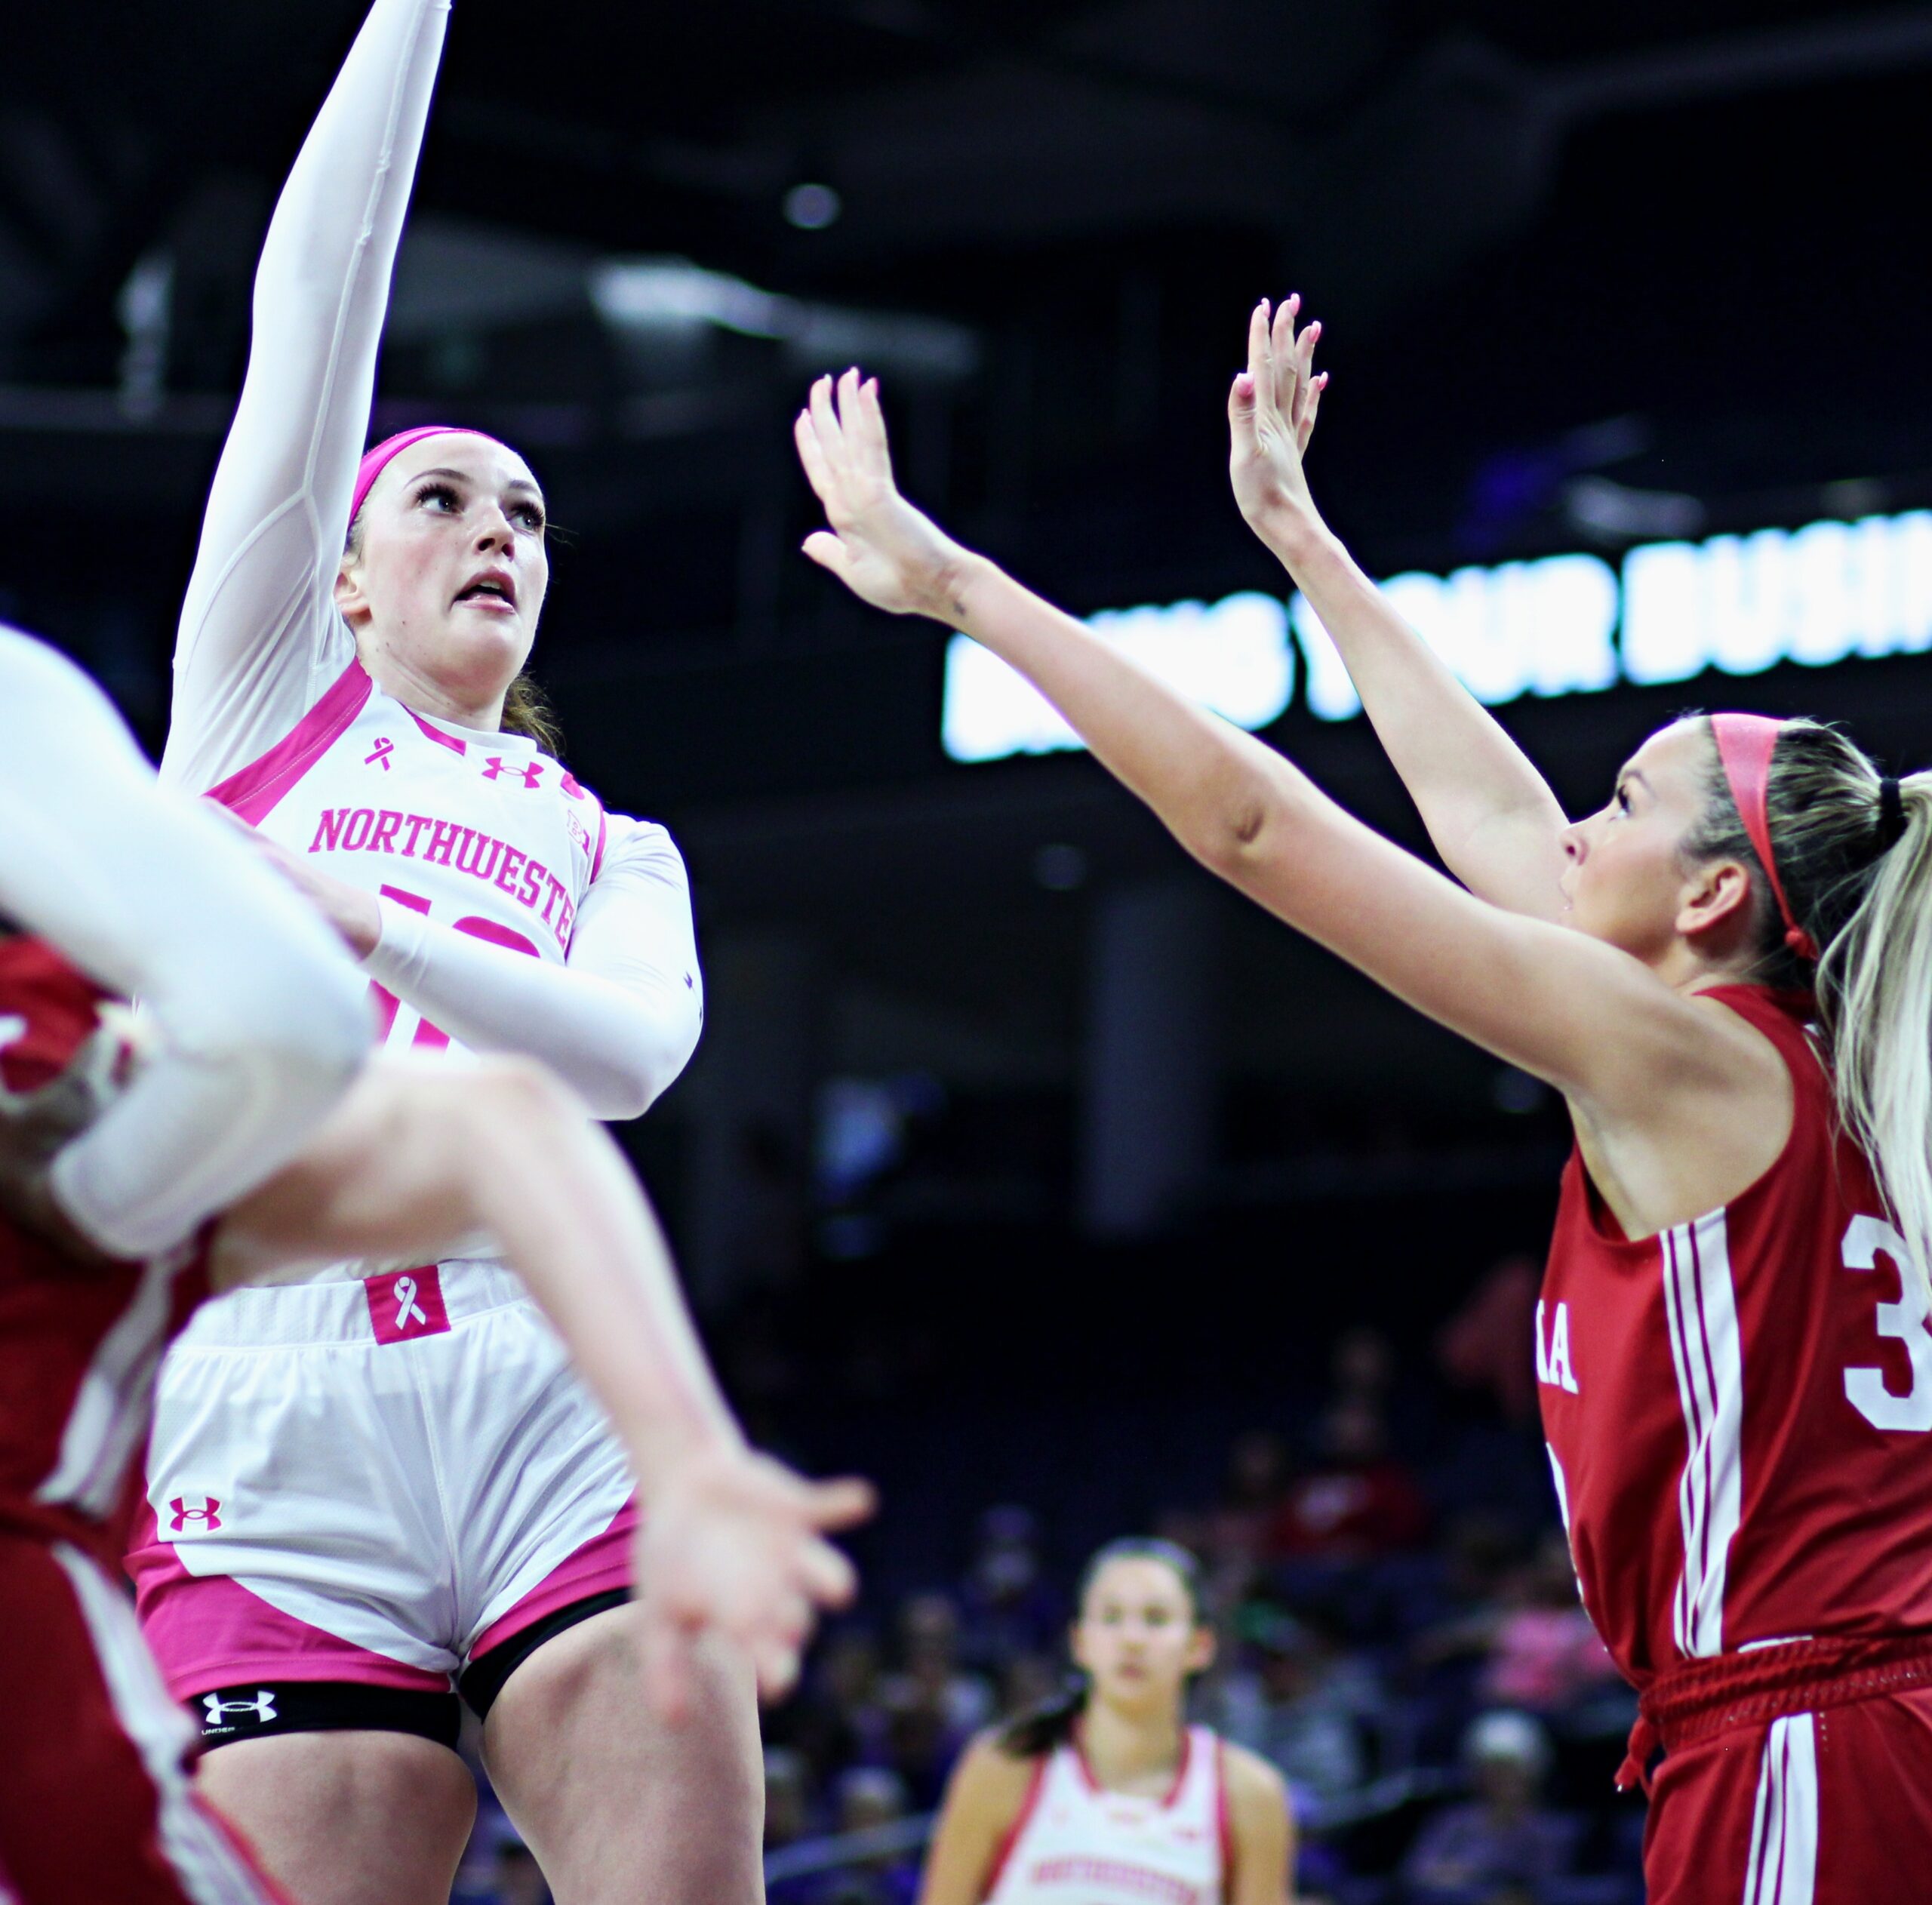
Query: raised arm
column 260, row 637
column 1645, row 1068
column 259, row 1019
column 423, row 1159
column 1491, row 815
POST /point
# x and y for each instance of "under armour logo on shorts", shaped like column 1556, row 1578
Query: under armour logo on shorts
column 201, row 1510
column 405, row 1304
column 262, row 1707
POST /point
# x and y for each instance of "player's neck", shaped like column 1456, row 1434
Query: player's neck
column 477, row 706
column 1130, row 1753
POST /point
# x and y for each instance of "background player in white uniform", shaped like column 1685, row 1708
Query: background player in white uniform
column 113, row 1143
column 1107, row 1796
column 415, row 1486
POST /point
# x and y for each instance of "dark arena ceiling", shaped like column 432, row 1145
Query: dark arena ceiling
column 1583, row 269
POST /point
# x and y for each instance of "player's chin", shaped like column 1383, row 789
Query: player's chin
column 487, row 641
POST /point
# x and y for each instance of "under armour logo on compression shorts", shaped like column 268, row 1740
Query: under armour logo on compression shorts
column 198, row 1512
column 496, row 766
column 405, row 1304
column 262, row 1708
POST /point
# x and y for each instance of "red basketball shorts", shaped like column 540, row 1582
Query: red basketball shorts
column 96, row 1805
column 1828, row 1807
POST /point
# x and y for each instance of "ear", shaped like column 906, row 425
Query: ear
column 1202, row 1648
column 350, row 602
column 1075, row 1651
column 1716, row 899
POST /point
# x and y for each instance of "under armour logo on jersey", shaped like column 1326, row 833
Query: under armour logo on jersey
column 262, row 1707
column 385, row 747
column 201, row 1510
column 408, row 1309
column 496, row 766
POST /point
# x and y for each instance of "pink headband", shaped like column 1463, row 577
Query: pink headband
column 375, row 461
column 1745, row 743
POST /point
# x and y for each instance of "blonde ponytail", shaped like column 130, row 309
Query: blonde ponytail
column 1857, row 869
column 1874, row 989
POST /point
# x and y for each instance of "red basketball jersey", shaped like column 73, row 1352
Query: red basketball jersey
column 1737, row 1409
column 79, row 1345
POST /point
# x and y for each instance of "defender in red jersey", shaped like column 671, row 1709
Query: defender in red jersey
column 96, row 1803
column 1727, row 972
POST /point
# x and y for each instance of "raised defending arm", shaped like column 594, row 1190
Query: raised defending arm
column 1491, row 815
column 260, row 637
column 1592, row 1020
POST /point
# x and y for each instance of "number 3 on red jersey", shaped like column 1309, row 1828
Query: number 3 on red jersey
column 1906, row 1321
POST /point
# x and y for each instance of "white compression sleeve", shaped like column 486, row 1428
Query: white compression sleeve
column 618, row 1023
column 261, row 1016
column 260, row 637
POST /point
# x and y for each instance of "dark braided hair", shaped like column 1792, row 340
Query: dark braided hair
column 1050, row 1725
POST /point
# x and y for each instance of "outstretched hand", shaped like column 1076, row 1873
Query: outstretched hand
column 882, row 549
column 1271, row 417
column 732, row 1543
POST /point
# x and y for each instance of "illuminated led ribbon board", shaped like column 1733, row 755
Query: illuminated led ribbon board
column 1565, row 625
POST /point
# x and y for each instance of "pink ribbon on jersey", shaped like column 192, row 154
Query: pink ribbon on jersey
column 375, row 461
column 1745, row 744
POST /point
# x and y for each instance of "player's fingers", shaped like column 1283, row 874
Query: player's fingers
column 828, row 553
column 667, row 1670
column 811, row 453
column 1259, row 347
column 829, row 1577
column 877, row 445
column 1315, row 387
column 1241, row 410
column 824, row 418
column 843, row 1502
column 1281, row 348
column 775, row 1664
column 851, row 412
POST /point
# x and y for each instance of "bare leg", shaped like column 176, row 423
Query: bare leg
column 617, row 1806
column 349, row 1818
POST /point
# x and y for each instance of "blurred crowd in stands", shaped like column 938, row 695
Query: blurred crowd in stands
column 1403, row 1640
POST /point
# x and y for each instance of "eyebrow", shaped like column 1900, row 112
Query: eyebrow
column 514, row 483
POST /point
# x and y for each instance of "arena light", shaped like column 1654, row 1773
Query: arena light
column 1233, row 656
column 1817, row 595
column 1566, row 624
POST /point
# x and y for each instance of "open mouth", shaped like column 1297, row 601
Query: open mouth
column 493, row 591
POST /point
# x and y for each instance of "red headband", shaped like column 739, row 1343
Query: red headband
column 1745, row 743
column 375, row 461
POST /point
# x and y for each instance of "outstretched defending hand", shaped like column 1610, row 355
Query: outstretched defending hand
column 881, row 547
column 1271, row 417
column 732, row 1543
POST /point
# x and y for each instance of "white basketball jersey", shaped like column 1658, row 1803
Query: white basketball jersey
column 482, row 832
column 1075, row 1843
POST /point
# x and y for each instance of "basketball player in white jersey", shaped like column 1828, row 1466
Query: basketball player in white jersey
column 1107, row 1796
column 347, row 679
column 133, row 1158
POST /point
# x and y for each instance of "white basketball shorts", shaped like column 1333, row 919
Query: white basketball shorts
column 376, row 1482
